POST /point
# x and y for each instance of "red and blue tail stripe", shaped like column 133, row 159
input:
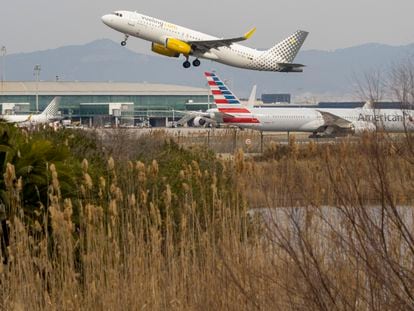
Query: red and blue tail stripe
column 228, row 103
column 222, row 95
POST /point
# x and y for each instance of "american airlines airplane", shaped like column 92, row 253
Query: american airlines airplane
column 319, row 122
column 48, row 115
column 172, row 40
column 200, row 119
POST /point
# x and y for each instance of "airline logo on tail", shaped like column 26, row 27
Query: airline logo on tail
column 287, row 50
column 227, row 103
column 221, row 93
column 52, row 109
column 281, row 56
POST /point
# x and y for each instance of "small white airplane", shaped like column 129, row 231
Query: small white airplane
column 172, row 40
column 320, row 122
column 50, row 114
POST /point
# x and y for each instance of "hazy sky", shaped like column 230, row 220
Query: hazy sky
column 28, row 25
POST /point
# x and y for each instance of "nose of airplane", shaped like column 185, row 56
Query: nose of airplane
column 106, row 19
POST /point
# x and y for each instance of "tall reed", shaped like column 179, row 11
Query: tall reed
column 316, row 226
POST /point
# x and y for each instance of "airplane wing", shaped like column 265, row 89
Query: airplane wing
column 218, row 117
column 186, row 118
column 334, row 120
column 189, row 117
column 206, row 45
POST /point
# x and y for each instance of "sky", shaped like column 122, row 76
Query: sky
column 27, row 25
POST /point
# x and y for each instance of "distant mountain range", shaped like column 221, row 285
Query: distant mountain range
column 327, row 75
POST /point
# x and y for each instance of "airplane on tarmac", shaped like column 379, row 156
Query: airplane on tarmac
column 50, row 114
column 320, row 122
column 172, row 40
column 200, row 119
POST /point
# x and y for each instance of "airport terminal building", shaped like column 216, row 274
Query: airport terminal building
column 97, row 103
column 130, row 104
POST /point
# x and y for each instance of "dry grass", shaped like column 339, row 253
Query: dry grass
column 222, row 140
column 337, row 233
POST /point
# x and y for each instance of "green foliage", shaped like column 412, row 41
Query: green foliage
column 175, row 178
column 10, row 136
column 31, row 154
column 32, row 165
column 81, row 145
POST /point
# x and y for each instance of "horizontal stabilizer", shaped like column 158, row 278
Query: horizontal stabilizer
column 289, row 67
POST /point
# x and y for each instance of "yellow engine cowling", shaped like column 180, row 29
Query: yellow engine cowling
column 178, row 46
column 160, row 49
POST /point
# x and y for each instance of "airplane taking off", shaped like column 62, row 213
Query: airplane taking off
column 320, row 122
column 50, row 114
column 172, row 40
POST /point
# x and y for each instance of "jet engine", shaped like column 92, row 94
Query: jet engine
column 178, row 46
column 199, row 122
column 362, row 127
column 160, row 49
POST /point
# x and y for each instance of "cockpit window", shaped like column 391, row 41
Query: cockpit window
column 117, row 14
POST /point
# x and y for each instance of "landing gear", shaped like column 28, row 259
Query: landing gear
column 187, row 63
column 123, row 43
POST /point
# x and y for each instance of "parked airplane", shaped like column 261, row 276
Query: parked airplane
column 320, row 122
column 172, row 40
column 200, row 119
column 48, row 115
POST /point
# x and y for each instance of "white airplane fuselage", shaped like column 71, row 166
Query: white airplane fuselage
column 320, row 121
column 311, row 119
column 50, row 114
column 27, row 120
column 158, row 31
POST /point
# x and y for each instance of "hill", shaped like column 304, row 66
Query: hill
column 327, row 73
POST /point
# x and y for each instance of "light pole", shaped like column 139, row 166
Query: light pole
column 36, row 70
column 3, row 68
